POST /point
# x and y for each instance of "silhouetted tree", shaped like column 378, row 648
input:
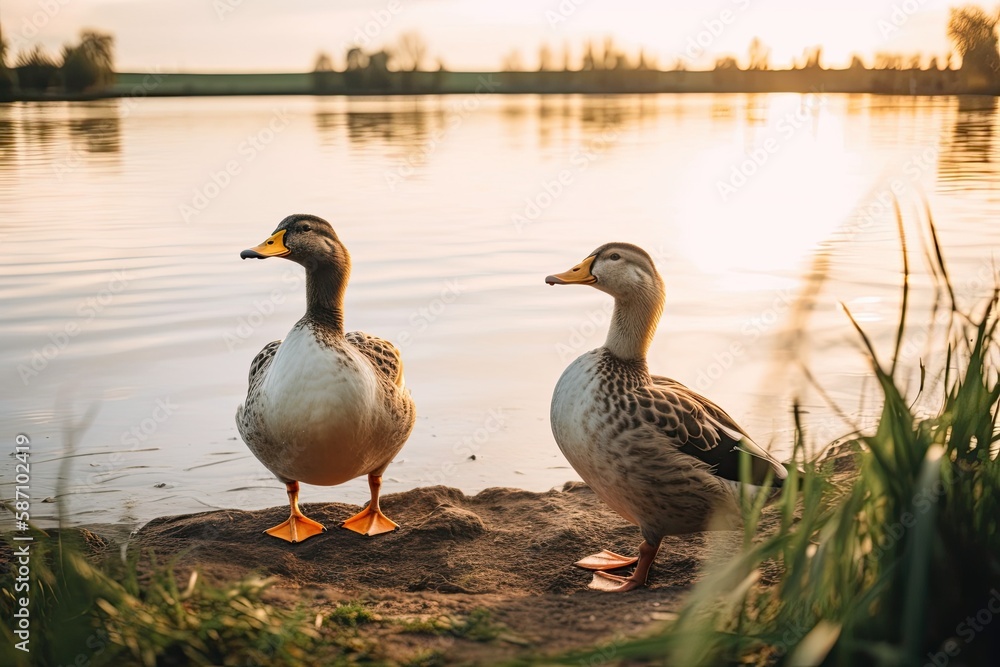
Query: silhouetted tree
column 367, row 70
column 90, row 64
column 7, row 82
column 324, row 63
column 379, row 63
column 679, row 65
column 323, row 74
column 545, row 58
column 610, row 54
column 914, row 62
column 726, row 63
column 36, row 70
column 888, row 61
column 590, row 60
column 759, row 56
column 645, row 62
column 813, row 58
column 857, row 63
column 512, row 62
column 567, row 58
column 974, row 33
column 411, row 50
column 618, row 61
column 356, row 59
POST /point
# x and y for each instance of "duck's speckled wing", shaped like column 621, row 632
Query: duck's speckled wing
column 703, row 430
column 248, row 416
column 384, row 356
column 260, row 364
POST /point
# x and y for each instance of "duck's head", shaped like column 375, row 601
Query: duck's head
column 622, row 270
column 306, row 239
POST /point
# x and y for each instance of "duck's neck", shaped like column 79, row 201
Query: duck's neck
column 325, row 285
column 634, row 321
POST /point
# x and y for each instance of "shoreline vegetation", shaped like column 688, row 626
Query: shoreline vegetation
column 915, row 82
column 86, row 71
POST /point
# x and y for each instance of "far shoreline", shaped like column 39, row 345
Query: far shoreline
column 360, row 83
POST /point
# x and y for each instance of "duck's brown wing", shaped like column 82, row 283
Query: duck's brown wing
column 384, row 356
column 702, row 429
column 260, row 363
column 248, row 416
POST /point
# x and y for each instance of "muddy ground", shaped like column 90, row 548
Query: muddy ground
column 505, row 550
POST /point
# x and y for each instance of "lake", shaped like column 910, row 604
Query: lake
column 124, row 295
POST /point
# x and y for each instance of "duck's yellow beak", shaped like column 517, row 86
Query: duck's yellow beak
column 274, row 246
column 578, row 275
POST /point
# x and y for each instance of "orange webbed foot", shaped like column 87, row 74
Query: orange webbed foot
column 606, row 560
column 296, row 528
column 610, row 583
column 370, row 522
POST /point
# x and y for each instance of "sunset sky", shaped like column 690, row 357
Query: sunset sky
column 261, row 35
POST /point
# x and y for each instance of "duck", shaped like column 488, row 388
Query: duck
column 664, row 457
column 324, row 406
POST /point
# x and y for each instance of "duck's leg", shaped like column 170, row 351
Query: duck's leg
column 606, row 560
column 297, row 527
column 614, row 584
column 370, row 520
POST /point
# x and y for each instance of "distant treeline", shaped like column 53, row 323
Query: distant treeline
column 898, row 82
column 87, row 69
column 81, row 69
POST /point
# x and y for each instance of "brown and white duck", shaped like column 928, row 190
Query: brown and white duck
column 324, row 406
column 664, row 457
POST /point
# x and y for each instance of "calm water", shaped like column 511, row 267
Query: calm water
column 122, row 288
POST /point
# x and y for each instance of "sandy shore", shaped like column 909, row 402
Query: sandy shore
column 505, row 550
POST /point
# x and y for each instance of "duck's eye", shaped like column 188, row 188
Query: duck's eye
column 304, row 228
column 614, row 257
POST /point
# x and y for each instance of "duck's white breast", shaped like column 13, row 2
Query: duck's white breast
column 573, row 403
column 579, row 417
column 320, row 404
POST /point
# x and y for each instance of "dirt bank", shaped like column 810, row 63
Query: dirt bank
column 505, row 550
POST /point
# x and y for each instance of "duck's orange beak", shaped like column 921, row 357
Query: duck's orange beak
column 274, row 246
column 578, row 275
